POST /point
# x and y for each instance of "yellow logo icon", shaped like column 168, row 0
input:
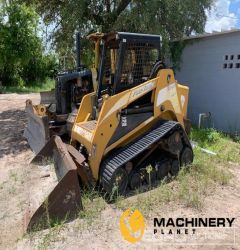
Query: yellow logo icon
column 132, row 225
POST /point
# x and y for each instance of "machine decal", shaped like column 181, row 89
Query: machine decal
column 124, row 121
column 141, row 90
column 182, row 100
column 86, row 134
column 169, row 93
column 119, row 104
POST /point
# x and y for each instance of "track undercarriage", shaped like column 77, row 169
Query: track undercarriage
column 150, row 158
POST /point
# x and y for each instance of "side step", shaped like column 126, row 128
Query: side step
column 127, row 153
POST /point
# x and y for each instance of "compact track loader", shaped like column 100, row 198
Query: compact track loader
column 58, row 108
column 135, row 119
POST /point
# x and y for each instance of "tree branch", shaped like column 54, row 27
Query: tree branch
column 108, row 6
column 122, row 6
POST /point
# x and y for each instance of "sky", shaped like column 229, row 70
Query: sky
column 223, row 16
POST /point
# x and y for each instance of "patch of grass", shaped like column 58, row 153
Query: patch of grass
column 36, row 87
column 42, row 239
column 93, row 205
column 206, row 137
column 189, row 188
column 50, row 237
column 13, row 176
column 148, row 201
column 227, row 149
column 14, row 179
column 196, row 181
column 189, row 192
column 12, row 190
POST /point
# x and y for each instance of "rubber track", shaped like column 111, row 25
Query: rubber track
column 130, row 151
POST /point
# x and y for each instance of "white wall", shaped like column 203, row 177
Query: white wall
column 213, row 88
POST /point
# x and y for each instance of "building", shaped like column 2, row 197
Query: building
column 210, row 66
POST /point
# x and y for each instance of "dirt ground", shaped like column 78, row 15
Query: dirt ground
column 20, row 183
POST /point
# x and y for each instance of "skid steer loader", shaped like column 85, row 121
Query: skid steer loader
column 58, row 108
column 135, row 119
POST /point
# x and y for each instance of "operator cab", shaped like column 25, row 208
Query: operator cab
column 127, row 60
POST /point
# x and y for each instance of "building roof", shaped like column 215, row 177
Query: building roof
column 214, row 33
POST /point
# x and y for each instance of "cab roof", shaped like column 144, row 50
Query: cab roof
column 133, row 37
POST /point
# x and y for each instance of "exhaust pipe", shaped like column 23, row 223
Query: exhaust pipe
column 78, row 49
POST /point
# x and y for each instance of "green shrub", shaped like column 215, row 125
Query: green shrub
column 206, row 137
column 22, row 57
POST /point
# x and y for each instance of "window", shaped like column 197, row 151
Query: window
column 137, row 63
column 231, row 64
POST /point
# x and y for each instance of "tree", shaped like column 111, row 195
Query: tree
column 173, row 19
column 20, row 47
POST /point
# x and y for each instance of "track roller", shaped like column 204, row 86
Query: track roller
column 118, row 182
column 163, row 168
column 175, row 167
column 136, row 180
column 174, row 142
column 186, row 156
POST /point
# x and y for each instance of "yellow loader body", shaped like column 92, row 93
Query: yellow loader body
column 170, row 103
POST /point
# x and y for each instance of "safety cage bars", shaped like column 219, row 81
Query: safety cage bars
column 126, row 63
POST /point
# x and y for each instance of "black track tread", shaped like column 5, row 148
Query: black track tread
column 130, row 151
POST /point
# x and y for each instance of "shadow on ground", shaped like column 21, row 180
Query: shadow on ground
column 12, row 123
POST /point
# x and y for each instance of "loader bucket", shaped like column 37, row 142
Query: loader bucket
column 64, row 201
column 37, row 130
column 47, row 97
